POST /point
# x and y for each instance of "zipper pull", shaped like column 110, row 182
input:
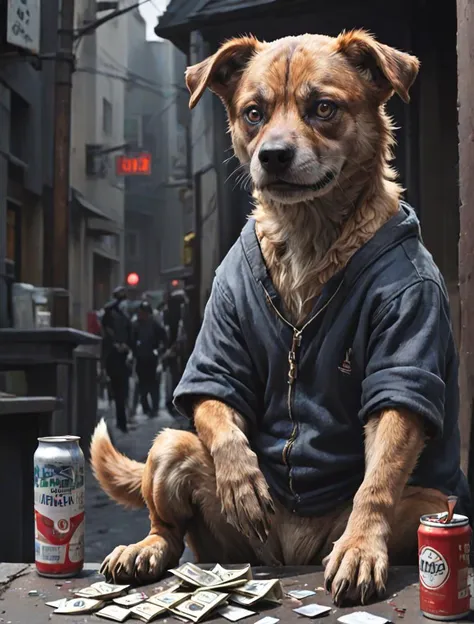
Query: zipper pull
column 293, row 369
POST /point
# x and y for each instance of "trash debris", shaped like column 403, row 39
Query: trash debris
column 362, row 617
column 294, row 602
column 312, row 610
column 301, row 593
column 33, row 592
column 234, row 614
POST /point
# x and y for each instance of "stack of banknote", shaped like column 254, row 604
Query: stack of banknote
column 193, row 597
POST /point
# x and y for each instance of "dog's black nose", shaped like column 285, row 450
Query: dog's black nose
column 276, row 156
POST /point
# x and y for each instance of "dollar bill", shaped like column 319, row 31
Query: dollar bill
column 194, row 575
column 168, row 599
column 102, row 590
column 130, row 600
column 112, row 612
column 226, row 574
column 87, row 592
column 57, row 603
column 147, row 611
column 79, row 605
column 227, row 585
column 256, row 590
column 200, row 605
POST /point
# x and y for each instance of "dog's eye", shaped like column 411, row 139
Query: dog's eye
column 324, row 109
column 253, row 115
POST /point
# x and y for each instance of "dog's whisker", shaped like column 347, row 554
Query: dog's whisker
column 243, row 180
column 238, row 170
column 227, row 160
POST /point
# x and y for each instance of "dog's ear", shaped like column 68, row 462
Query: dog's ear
column 387, row 69
column 222, row 71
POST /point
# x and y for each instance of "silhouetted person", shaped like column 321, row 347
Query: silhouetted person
column 117, row 340
column 173, row 312
column 148, row 338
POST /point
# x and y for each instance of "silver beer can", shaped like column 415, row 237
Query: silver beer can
column 59, row 506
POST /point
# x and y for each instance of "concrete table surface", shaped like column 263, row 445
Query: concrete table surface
column 16, row 607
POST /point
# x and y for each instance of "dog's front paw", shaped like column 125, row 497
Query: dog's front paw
column 357, row 568
column 244, row 494
column 144, row 562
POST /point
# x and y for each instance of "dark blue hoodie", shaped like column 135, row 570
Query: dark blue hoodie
column 380, row 337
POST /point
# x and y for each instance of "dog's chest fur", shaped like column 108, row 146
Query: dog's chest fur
column 303, row 250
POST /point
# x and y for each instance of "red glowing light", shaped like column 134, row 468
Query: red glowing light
column 133, row 279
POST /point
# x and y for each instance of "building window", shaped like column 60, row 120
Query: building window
column 133, row 133
column 19, row 126
column 106, row 117
column 14, row 237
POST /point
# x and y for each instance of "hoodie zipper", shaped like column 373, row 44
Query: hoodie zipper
column 292, row 375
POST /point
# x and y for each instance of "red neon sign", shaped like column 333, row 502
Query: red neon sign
column 133, row 165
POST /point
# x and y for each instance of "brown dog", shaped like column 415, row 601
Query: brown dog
column 329, row 248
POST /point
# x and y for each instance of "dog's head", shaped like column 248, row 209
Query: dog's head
column 303, row 109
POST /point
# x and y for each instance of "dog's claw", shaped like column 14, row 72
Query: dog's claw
column 328, row 583
column 366, row 592
column 340, row 591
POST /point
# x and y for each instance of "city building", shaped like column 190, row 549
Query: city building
column 26, row 128
column 97, row 136
column 158, row 206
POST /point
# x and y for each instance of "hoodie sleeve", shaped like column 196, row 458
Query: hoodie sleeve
column 220, row 366
column 406, row 355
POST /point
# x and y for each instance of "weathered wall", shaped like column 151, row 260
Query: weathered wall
column 465, row 21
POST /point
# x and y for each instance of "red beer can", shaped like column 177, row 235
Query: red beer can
column 443, row 559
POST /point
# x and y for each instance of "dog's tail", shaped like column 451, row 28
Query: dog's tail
column 119, row 476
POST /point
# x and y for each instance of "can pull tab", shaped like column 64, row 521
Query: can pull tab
column 451, row 502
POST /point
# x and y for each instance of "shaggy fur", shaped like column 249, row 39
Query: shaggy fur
column 324, row 97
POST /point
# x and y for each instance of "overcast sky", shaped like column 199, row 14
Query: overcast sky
column 150, row 9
